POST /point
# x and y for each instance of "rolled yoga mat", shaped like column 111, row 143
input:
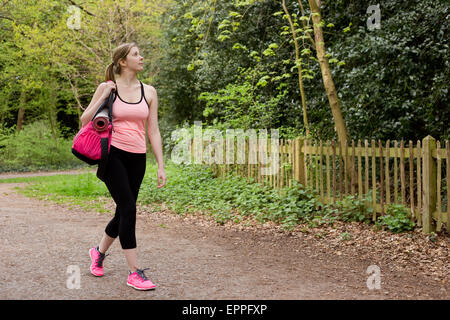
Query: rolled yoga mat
column 101, row 120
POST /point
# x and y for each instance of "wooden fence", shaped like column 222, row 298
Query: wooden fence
column 416, row 176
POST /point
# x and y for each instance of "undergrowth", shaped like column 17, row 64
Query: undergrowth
column 194, row 188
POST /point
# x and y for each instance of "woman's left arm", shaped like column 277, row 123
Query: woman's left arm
column 154, row 135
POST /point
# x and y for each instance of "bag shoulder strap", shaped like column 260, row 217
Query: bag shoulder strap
column 105, row 142
column 107, row 103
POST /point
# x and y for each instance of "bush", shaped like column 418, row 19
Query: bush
column 298, row 204
column 396, row 220
column 194, row 187
column 35, row 148
column 352, row 208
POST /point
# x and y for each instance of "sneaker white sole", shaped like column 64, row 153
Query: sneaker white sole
column 140, row 289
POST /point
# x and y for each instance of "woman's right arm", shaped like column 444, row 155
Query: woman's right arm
column 96, row 101
column 100, row 95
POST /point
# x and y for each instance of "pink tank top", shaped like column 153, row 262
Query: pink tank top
column 129, row 124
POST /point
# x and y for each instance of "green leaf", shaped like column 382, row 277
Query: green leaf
column 222, row 38
column 306, row 51
column 234, row 14
column 268, row 52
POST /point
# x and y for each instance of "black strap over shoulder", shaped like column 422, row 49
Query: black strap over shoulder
column 142, row 89
column 142, row 92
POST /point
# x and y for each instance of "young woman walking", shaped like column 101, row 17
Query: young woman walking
column 136, row 105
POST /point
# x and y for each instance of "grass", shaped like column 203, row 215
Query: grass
column 193, row 188
column 189, row 188
column 83, row 190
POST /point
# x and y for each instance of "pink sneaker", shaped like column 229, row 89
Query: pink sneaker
column 96, row 262
column 139, row 281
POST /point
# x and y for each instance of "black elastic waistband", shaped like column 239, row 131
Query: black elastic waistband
column 132, row 154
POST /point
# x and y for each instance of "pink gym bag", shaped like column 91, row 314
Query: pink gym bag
column 92, row 143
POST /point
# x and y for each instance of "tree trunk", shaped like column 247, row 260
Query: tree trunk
column 328, row 82
column 52, row 113
column 80, row 108
column 300, row 75
column 21, row 113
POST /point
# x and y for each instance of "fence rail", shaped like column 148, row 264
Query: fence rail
column 393, row 172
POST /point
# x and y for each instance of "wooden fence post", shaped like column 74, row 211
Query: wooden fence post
column 429, row 184
column 299, row 161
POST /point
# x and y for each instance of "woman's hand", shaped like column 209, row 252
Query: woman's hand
column 108, row 86
column 161, row 177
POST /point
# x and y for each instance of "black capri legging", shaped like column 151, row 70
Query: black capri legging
column 123, row 178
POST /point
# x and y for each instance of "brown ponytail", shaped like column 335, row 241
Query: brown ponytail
column 109, row 75
column 120, row 53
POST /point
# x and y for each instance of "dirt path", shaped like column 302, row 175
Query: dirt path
column 189, row 258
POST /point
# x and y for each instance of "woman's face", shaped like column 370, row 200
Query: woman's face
column 134, row 60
